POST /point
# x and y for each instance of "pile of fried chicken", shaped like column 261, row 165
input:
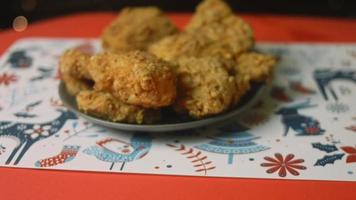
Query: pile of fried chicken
column 148, row 65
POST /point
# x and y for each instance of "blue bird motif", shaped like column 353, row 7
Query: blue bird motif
column 115, row 150
column 28, row 134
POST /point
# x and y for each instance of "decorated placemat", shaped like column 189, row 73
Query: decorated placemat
column 302, row 127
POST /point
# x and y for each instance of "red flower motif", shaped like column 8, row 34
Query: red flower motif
column 352, row 153
column 312, row 130
column 283, row 165
column 7, row 79
column 351, row 128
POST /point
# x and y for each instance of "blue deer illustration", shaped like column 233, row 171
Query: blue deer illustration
column 324, row 77
column 303, row 125
column 28, row 134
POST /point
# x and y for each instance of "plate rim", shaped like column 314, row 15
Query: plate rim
column 62, row 91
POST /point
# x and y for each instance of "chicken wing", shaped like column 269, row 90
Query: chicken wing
column 229, row 35
column 72, row 66
column 207, row 12
column 179, row 45
column 136, row 28
column 226, row 39
column 105, row 106
column 252, row 67
column 204, row 87
column 255, row 66
column 135, row 77
column 74, row 63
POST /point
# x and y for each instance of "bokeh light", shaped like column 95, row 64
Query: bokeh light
column 20, row 23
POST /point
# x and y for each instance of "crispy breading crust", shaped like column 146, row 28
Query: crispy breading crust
column 105, row 106
column 255, row 66
column 135, row 77
column 227, row 39
column 74, row 63
column 136, row 28
column 209, row 66
column 204, row 87
column 229, row 35
column 252, row 67
column 72, row 66
column 179, row 45
column 207, row 12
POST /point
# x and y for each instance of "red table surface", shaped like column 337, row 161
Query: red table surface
column 47, row 184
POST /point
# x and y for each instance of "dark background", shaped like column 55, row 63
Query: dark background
column 35, row 10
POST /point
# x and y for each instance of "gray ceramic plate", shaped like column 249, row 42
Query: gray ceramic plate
column 171, row 121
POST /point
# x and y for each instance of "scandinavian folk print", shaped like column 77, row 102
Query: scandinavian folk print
column 19, row 59
column 7, row 79
column 26, row 112
column 115, row 150
column 289, row 71
column 297, row 86
column 351, row 128
column 2, row 149
column 199, row 161
column 43, row 73
column 280, row 93
column 67, row 154
column 324, row 78
column 232, row 139
column 302, row 126
column 329, row 159
column 283, row 165
column 351, row 153
column 344, row 90
column 28, row 134
column 337, row 107
column 325, row 147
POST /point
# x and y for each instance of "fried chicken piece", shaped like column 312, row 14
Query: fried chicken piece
column 74, row 63
column 204, row 87
column 179, row 45
column 174, row 47
column 229, row 35
column 226, row 39
column 136, row 28
column 135, row 77
column 255, row 66
column 252, row 67
column 207, row 12
column 72, row 66
column 106, row 106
